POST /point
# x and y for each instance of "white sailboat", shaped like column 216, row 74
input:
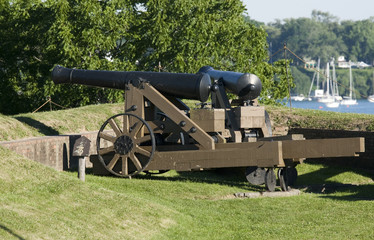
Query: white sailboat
column 371, row 97
column 334, row 89
column 349, row 100
column 327, row 97
column 318, row 93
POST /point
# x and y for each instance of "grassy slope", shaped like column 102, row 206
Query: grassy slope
column 37, row 202
column 305, row 118
column 90, row 118
column 76, row 120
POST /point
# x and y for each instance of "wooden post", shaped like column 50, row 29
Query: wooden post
column 81, row 149
column 82, row 169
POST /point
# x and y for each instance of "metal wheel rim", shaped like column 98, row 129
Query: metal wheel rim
column 291, row 176
column 255, row 175
column 283, row 179
column 270, row 180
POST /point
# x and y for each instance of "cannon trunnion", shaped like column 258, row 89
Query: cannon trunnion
column 158, row 132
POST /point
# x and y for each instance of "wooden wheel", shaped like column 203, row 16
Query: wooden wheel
column 125, row 144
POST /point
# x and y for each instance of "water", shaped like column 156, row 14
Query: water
column 363, row 106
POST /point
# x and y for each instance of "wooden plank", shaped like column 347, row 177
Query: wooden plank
column 262, row 154
column 283, row 138
column 320, row 148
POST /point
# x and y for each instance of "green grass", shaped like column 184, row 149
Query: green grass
column 77, row 120
column 316, row 119
column 90, row 118
column 37, row 202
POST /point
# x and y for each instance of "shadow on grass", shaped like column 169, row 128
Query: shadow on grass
column 320, row 182
column 42, row 128
column 232, row 177
column 11, row 232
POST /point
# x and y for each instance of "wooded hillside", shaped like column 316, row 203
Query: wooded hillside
column 323, row 36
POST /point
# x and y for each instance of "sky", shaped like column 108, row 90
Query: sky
column 269, row 10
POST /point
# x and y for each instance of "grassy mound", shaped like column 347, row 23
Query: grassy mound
column 77, row 120
column 37, row 202
column 90, row 118
column 316, row 119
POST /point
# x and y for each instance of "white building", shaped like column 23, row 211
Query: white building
column 342, row 63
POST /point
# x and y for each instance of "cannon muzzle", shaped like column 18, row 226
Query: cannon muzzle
column 180, row 85
column 246, row 85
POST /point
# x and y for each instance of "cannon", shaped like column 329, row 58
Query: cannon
column 157, row 132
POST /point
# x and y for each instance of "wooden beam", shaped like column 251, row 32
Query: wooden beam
column 262, row 154
column 321, row 148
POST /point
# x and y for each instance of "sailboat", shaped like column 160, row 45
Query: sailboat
column 349, row 100
column 334, row 89
column 371, row 97
column 327, row 97
column 318, row 93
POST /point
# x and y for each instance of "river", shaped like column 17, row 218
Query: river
column 363, row 106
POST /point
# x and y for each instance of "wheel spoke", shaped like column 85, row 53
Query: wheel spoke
column 125, row 124
column 107, row 137
column 125, row 166
column 115, row 127
column 142, row 151
column 136, row 161
column 140, row 140
column 113, row 161
column 136, row 128
column 104, row 151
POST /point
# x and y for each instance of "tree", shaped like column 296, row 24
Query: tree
column 184, row 35
column 308, row 38
column 359, row 38
column 115, row 35
column 41, row 34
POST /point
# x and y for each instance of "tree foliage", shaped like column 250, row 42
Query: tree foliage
column 123, row 35
column 324, row 36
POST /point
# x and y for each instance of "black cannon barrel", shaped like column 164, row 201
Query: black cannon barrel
column 246, row 85
column 181, row 85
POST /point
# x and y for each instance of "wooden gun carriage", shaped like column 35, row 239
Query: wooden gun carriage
column 158, row 132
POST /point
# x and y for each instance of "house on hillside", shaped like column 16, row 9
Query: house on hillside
column 308, row 63
column 342, row 63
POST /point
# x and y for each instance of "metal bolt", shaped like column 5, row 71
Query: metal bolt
column 182, row 123
column 193, row 130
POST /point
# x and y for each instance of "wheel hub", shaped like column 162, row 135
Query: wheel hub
column 123, row 145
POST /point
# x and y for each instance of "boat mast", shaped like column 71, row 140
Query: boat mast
column 335, row 91
column 327, row 79
column 318, row 74
column 350, row 80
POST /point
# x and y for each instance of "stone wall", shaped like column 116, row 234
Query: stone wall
column 52, row 151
